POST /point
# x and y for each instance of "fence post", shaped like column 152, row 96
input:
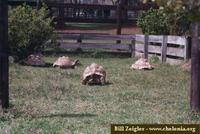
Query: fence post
column 164, row 49
column 146, row 45
column 4, row 52
column 79, row 40
column 187, row 49
column 195, row 69
column 132, row 48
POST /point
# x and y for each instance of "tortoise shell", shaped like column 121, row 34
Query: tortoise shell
column 94, row 74
column 34, row 60
column 142, row 63
column 65, row 62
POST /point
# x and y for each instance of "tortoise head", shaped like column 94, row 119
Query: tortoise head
column 94, row 79
column 75, row 63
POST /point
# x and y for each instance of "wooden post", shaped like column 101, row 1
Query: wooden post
column 164, row 49
column 187, row 49
column 195, row 70
column 79, row 40
column 103, row 14
column 146, row 45
column 4, row 48
column 132, row 48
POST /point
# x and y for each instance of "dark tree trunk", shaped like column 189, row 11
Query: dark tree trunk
column 38, row 5
column 119, row 16
column 4, row 51
column 61, row 22
column 120, row 7
column 125, row 11
column 195, row 70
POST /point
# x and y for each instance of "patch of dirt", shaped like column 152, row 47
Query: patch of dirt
column 112, row 31
column 187, row 66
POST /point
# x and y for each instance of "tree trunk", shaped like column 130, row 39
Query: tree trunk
column 4, row 48
column 119, row 17
column 195, row 70
column 125, row 11
column 61, row 11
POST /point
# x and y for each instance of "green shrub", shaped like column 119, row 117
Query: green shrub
column 153, row 21
column 28, row 30
column 164, row 21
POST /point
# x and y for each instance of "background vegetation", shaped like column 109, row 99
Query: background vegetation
column 164, row 21
column 29, row 30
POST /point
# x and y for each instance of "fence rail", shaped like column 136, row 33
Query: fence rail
column 176, row 46
column 164, row 46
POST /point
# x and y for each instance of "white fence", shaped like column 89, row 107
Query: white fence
column 174, row 47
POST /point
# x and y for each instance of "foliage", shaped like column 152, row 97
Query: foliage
column 192, row 7
column 153, row 22
column 164, row 21
column 28, row 30
column 97, row 54
column 154, row 59
column 178, row 21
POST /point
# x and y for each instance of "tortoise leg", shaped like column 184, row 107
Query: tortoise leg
column 72, row 67
column 55, row 66
column 84, row 82
column 102, row 80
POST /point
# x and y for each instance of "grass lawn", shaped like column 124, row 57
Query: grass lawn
column 52, row 100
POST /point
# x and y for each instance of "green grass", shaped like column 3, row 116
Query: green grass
column 52, row 100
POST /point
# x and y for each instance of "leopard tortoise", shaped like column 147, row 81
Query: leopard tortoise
column 65, row 62
column 94, row 74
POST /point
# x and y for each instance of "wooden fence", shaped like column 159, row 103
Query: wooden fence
column 164, row 46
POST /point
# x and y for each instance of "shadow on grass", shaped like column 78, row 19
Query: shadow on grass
column 14, row 113
column 94, row 84
column 65, row 115
column 47, row 65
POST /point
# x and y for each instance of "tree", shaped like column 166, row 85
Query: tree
column 193, row 9
column 121, row 14
column 61, row 15
column 4, row 92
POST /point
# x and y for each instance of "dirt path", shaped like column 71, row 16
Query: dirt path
column 125, row 30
